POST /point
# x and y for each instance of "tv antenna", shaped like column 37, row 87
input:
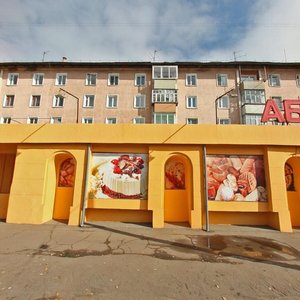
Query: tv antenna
column 44, row 54
column 154, row 55
column 236, row 56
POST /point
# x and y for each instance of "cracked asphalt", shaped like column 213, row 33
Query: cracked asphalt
column 112, row 260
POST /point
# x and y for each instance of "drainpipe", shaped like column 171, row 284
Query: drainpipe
column 205, row 190
column 85, row 186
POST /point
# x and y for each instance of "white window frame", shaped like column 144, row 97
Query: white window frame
column 274, row 80
column 34, row 119
column 112, row 101
column 139, row 101
column 33, row 100
column 192, row 119
column 165, row 72
column 113, row 79
column 87, row 120
column 5, row 120
column 61, row 79
column 191, row 102
column 298, row 80
column 164, row 96
column 191, row 79
column 88, row 101
column 222, row 79
column 222, row 102
column 110, row 120
column 38, row 79
column 91, row 79
column 55, row 120
column 224, row 121
column 278, row 101
column 137, row 79
column 138, row 120
column 253, row 97
column 166, row 117
column 8, row 101
column 57, row 101
column 12, row 78
column 254, row 119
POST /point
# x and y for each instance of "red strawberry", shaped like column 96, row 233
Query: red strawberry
column 117, row 170
column 115, row 161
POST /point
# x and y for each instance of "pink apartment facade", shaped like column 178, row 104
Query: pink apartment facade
column 144, row 92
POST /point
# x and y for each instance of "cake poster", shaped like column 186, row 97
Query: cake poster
column 119, row 176
column 236, row 178
column 174, row 175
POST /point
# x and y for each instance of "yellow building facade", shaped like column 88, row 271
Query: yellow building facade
column 76, row 173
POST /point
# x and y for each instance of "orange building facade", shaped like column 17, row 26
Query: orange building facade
column 77, row 173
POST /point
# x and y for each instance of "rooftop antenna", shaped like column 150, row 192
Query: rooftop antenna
column 236, row 57
column 154, row 54
column 44, row 53
column 284, row 52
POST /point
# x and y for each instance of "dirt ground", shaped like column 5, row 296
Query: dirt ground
column 129, row 261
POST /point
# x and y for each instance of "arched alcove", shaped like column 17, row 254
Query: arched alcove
column 177, row 189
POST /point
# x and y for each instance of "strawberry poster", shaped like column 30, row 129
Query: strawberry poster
column 119, row 176
column 236, row 178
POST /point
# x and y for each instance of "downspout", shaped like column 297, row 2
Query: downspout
column 205, row 190
column 238, row 89
column 86, row 185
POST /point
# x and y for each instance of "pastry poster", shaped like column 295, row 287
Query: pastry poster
column 289, row 177
column 174, row 175
column 236, row 178
column 66, row 173
column 119, row 176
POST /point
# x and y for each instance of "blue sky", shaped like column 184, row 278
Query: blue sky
column 131, row 30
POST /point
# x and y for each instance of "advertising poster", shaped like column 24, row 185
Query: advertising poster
column 119, row 176
column 289, row 177
column 174, row 175
column 236, row 178
column 66, row 173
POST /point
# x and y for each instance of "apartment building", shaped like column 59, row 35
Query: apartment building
column 144, row 92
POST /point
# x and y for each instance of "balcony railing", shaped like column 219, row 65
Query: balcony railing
column 162, row 96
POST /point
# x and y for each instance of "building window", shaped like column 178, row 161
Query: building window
column 56, row 120
column 139, row 101
column 35, row 101
column 111, row 120
column 12, row 78
column 88, row 100
column 165, row 72
column 224, row 121
column 61, row 79
column 223, row 102
column 90, row 79
column 254, row 97
column 164, row 118
column 32, row 120
column 252, row 119
column 140, row 79
column 139, row 120
column 192, row 121
column 191, row 79
column 191, row 102
column 113, row 79
column 58, row 101
column 164, row 96
column 248, row 77
column 87, row 120
column 9, row 101
column 5, row 120
column 222, row 79
column 38, row 79
column 112, row 101
column 274, row 80
column 278, row 101
column 298, row 80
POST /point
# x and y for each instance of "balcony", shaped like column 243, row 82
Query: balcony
column 164, row 96
column 253, row 85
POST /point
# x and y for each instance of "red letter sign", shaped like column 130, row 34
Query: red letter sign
column 272, row 112
column 290, row 111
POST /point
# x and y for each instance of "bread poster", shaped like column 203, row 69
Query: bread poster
column 236, row 178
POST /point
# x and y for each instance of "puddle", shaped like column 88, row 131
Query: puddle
column 251, row 247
